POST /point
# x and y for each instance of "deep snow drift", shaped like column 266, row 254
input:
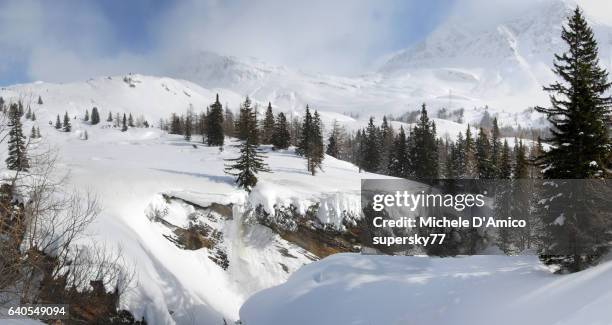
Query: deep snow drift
column 476, row 290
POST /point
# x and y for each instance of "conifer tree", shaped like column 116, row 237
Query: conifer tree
column 334, row 142
column 124, row 124
column 17, row 156
column 505, row 162
column 187, row 129
column 58, row 124
column 95, row 116
column 86, row 118
column 247, row 166
column 316, row 153
column 110, row 117
column 496, row 148
column 130, row 120
column 386, row 138
column 424, row 153
column 580, row 149
column 470, row 164
column 372, row 147
column 484, row 164
column 399, row 163
column 306, row 134
column 66, row 126
column 28, row 114
column 280, row 136
column 268, row 125
column 247, row 123
column 40, row 101
column 214, row 119
column 33, row 132
column 33, row 116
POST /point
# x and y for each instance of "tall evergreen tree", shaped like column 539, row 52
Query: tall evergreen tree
column 110, row 117
column 58, row 123
column 40, row 101
column 306, row 134
column 484, row 164
column 372, row 147
column 280, row 136
column 86, row 118
column 247, row 123
column 124, row 124
column 187, row 129
column 580, row 149
column 17, row 156
column 28, row 114
column 399, row 163
column 387, row 138
column 424, row 153
column 131, row 121
column 95, row 116
column 33, row 116
column 505, row 162
column 268, row 126
column 469, row 159
column 247, row 166
column 334, row 142
column 496, row 148
column 316, row 152
column 66, row 126
column 214, row 129
column 228, row 123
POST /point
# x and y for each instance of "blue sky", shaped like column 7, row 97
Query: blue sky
column 66, row 40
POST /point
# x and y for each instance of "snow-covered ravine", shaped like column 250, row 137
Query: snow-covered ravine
column 131, row 172
column 476, row 290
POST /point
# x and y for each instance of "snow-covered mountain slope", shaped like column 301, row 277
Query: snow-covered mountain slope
column 153, row 186
column 476, row 290
column 462, row 63
column 151, row 97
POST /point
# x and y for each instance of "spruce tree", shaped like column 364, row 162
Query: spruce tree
column 306, row 134
column 33, row 116
column 484, row 164
column 470, row 167
column 280, row 136
column 505, row 162
column 66, row 126
column 124, row 124
column 17, row 156
column 268, row 126
column 28, row 114
column 399, row 163
column 214, row 129
column 372, row 148
column 58, row 123
column 95, row 116
column 496, row 148
column 580, row 149
column 334, row 142
column 187, row 129
column 386, row 138
column 247, row 166
column 86, row 118
column 110, row 117
column 316, row 152
column 247, row 123
column 130, row 120
column 424, row 153
column 33, row 132
column 40, row 101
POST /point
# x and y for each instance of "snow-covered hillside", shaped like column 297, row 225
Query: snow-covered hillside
column 152, row 186
column 476, row 290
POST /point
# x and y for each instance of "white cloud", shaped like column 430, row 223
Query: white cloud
column 320, row 35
